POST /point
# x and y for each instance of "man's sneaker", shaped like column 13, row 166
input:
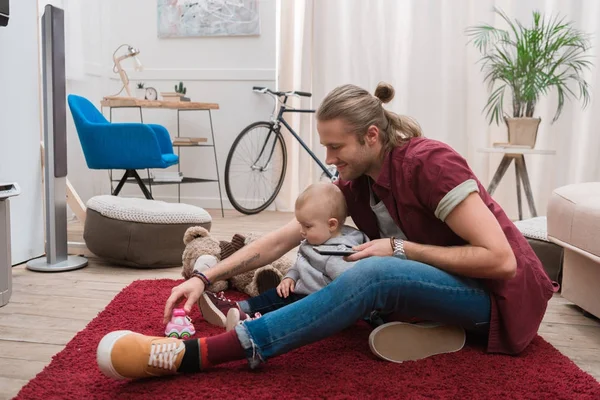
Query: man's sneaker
column 126, row 354
column 235, row 316
column 214, row 307
column 398, row 341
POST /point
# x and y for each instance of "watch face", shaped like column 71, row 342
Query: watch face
column 151, row 93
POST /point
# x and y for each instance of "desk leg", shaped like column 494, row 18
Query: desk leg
column 178, row 162
column 518, row 191
column 520, row 163
column 504, row 164
column 212, row 132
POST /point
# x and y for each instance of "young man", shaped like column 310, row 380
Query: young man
column 444, row 251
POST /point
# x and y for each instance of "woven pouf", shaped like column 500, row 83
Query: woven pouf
column 138, row 232
column 550, row 254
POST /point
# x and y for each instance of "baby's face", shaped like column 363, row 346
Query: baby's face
column 314, row 225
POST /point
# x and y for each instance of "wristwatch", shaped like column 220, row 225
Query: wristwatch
column 398, row 246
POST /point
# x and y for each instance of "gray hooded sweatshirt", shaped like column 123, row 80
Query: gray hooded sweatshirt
column 313, row 271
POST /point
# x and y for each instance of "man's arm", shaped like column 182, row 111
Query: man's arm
column 488, row 254
column 261, row 252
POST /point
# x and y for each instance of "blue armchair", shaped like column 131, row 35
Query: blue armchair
column 128, row 146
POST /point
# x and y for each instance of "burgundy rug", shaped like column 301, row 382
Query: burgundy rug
column 338, row 367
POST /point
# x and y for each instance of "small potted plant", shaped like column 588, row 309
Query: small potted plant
column 181, row 90
column 140, row 91
column 531, row 61
column 177, row 95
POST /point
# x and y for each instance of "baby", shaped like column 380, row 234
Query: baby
column 321, row 212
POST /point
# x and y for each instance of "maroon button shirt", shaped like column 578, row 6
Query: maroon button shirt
column 413, row 180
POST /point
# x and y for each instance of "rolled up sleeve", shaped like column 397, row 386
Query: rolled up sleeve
column 441, row 179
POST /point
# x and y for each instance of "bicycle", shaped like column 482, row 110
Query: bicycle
column 266, row 161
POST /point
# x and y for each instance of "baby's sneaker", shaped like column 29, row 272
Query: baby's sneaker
column 214, row 307
column 180, row 325
column 235, row 316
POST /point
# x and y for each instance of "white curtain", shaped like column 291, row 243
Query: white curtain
column 420, row 47
column 295, row 66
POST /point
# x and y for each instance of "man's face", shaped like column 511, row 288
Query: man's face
column 351, row 158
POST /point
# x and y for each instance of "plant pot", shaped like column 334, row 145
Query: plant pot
column 522, row 131
column 172, row 96
column 140, row 93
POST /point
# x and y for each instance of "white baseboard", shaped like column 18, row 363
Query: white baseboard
column 204, row 202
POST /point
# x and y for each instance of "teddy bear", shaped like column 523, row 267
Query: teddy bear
column 202, row 251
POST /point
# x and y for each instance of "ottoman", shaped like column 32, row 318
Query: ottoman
column 550, row 254
column 574, row 223
column 139, row 232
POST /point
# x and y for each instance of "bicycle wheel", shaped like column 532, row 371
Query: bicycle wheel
column 255, row 168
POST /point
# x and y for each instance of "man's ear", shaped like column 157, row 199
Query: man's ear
column 372, row 135
column 333, row 224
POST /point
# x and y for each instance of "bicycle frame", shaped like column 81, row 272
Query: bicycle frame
column 281, row 120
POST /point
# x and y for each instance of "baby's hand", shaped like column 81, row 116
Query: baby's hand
column 286, row 287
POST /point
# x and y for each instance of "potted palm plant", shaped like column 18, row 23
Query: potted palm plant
column 530, row 62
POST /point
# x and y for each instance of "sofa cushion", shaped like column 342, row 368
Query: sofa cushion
column 574, row 216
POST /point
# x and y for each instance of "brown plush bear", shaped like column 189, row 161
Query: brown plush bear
column 202, row 251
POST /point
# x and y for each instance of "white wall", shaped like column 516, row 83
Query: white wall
column 217, row 70
column 20, row 128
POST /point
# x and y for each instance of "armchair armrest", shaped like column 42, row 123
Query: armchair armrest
column 122, row 146
column 163, row 137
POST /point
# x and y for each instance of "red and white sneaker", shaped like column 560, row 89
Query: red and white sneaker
column 214, row 307
column 235, row 316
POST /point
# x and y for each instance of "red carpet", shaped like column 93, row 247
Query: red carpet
column 339, row 367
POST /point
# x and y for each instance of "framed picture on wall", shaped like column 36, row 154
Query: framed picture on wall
column 202, row 18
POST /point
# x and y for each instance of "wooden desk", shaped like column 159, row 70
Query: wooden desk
column 116, row 102
column 132, row 102
column 517, row 154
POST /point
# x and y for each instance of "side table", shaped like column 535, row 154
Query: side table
column 517, row 154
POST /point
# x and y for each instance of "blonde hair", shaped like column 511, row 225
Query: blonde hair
column 329, row 198
column 359, row 109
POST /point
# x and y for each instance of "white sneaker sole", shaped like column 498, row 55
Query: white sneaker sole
column 233, row 318
column 104, row 351
column 398, row 341
column 210, row 312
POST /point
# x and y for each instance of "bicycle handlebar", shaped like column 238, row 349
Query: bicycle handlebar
column 262, row 89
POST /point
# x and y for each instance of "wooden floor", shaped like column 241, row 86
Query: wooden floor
column 47, row 310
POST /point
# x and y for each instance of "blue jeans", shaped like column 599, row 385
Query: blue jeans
column 382, row 284
column 267, row 302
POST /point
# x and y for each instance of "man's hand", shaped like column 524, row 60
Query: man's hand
column 191, row 289
column 377, row 247
column 286, row 287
